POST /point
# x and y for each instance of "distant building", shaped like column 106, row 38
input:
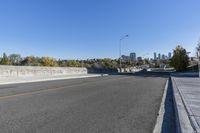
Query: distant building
column 125, row 58
column 159, row 56
column 139, row 58
column 163, row 57
column 133, row 56
column 155, row 56
column 169, row 55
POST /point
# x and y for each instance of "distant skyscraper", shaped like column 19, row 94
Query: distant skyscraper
column 133, row 56
column 169, row 55
column 163, row 57
column 159, row 56
column 155, row 57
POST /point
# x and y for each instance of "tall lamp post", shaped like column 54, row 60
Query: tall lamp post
column 120, row 59
column 198, row 52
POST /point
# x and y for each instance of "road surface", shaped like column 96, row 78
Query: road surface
column 113, row 104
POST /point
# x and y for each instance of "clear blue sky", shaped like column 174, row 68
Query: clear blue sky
column 77, row 29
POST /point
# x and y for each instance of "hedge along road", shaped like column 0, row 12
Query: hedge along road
column 113, row 104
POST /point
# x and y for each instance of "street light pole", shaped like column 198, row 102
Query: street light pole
column 120, row 60
column 198, row 52
column 120, row 56
column 199, row 66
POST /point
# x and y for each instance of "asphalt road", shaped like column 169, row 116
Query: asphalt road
column 114, row 104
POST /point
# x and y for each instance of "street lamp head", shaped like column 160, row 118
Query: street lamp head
column 124, row 37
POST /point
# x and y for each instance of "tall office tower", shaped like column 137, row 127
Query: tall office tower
column 155, row 57
column 163, row 57
column 133, row 56
column 159, row 56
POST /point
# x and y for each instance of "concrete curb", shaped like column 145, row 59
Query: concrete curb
column 183, row 122
column 57, row 78
column 159, row 121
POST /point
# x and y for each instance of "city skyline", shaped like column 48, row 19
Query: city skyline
column 156, row 56
column 58, row 29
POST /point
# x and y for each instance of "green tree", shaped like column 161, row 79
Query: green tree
column 31, row 61
column 15, row 59
column 48, row 61
column 5, row 60
column 180, row 59
column 146, row 61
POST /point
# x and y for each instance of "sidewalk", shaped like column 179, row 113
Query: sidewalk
column 14, row 80
column 187, row 103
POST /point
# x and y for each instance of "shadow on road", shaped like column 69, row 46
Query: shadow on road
column 169, row 124
column 145, row 74
column 152, row 74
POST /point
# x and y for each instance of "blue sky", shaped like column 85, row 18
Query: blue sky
column 81, row 29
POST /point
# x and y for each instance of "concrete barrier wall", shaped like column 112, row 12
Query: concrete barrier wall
column 30, row 71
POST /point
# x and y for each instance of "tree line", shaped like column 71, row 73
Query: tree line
column 106, row 63
column 17, row 60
